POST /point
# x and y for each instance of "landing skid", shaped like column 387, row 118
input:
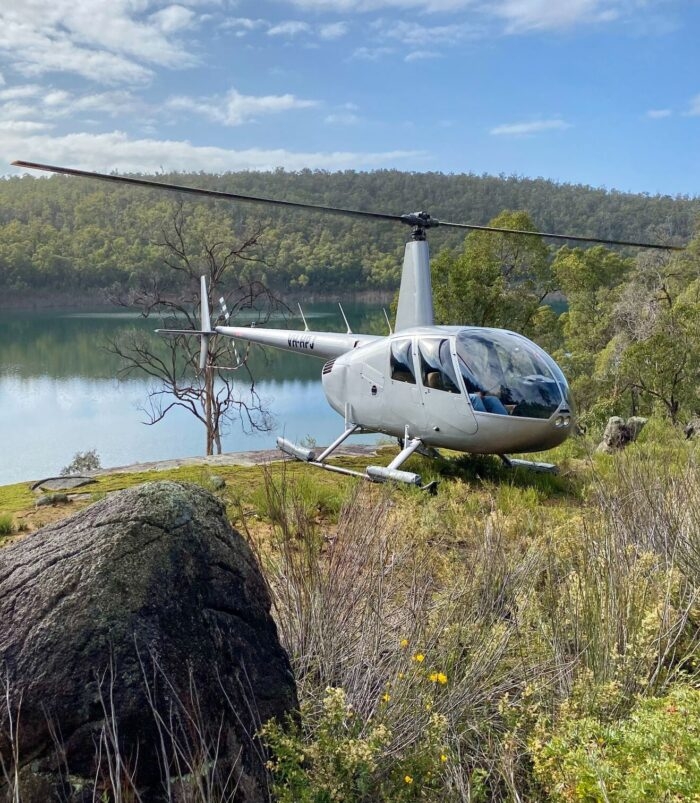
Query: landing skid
column 390, row 473
column 533, row 465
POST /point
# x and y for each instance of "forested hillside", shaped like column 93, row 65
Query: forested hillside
column 79, row 236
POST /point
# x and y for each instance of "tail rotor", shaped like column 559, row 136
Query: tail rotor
column 205, row 332
column 204, row 322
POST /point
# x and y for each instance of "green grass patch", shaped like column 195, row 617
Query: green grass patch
column 7, row 526
column 16, row 498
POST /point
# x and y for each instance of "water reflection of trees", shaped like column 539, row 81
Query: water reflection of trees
column 61, row 346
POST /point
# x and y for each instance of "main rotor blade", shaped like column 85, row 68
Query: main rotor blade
column 421, row 219
column 574, row 237
column 228, row 196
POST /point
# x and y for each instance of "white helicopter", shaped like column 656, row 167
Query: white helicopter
column 465, row 388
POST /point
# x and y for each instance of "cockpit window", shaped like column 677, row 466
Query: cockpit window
column 512, row 370
column 437, row 369
column 402, row 361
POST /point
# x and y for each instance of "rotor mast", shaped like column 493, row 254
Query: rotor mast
column 415, row 307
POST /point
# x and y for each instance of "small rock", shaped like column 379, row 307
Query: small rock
column 66, row 483
column 52, row 499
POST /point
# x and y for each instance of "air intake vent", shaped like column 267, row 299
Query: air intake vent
column 328, row 367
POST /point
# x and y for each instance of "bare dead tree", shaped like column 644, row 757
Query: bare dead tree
column 225, row 390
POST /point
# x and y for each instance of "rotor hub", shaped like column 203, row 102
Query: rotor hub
column 420, row 222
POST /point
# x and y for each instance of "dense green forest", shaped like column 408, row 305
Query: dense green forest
column 61, row 234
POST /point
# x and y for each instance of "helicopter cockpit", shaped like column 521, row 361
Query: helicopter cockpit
column 503, row 373
column 507, row 374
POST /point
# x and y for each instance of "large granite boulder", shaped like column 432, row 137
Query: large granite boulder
column 137, row 649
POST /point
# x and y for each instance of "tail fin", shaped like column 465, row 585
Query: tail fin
column 205, row 332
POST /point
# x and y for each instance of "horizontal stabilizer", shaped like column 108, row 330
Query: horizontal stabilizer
column 182, row 332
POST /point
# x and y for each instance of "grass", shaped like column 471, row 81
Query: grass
column 551, row 606
column 541, row 601
column 6, row 525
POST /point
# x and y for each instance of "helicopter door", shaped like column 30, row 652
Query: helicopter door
column 446, row 407
column 406, row 407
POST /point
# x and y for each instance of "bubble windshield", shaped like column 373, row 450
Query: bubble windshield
column 504, row 372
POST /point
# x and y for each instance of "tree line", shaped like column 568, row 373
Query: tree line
column 65, row 234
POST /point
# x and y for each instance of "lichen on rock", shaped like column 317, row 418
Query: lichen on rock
column 141, row 625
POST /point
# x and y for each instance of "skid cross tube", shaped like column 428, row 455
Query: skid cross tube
column 336, row 443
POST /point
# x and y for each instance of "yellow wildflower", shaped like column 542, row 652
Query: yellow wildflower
column 419, row 657
column 408, row 779
column 404, row 643
column 443, row 757
column 438, row 677
column 386, row 697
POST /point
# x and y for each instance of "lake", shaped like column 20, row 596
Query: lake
column 59, row 394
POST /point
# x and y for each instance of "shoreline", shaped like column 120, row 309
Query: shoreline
column 97, row 301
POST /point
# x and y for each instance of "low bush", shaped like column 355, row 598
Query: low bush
column 652, row 755
column 6, row 524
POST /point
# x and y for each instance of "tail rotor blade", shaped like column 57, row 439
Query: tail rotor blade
column 204, row 321
column 203, row 351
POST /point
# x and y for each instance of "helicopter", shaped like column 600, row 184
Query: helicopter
column 469, row 389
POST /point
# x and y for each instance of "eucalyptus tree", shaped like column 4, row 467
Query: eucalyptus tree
column 495, row 279
column 198, row 243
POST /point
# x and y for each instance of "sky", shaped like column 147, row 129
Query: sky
column 598, row 92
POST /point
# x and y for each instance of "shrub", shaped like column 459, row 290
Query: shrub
column 82, row 462
column 6, row 524
column 347, row 757
column 650, row 756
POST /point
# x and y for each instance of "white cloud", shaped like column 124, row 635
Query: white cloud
column 48, row 103
column 117, row 151
column 342, row 118
column 334, row 30
column 109, row 42
column 658, row 114
column 377, row 5
column 14, row 110
column 23, row 91
column 519, row 16
column 530, row 15
column 243, row 25
column 533, row 127
column 417, row 35
column 421, row 55
column 113, row 104
column 173, row 18
column 235, row 109
column 372, row 53
column 55, row 97
column 23, row 126
column 289, row 28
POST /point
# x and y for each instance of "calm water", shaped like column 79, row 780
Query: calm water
column 59, row 395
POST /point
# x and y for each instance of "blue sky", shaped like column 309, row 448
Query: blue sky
column 599, row 92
